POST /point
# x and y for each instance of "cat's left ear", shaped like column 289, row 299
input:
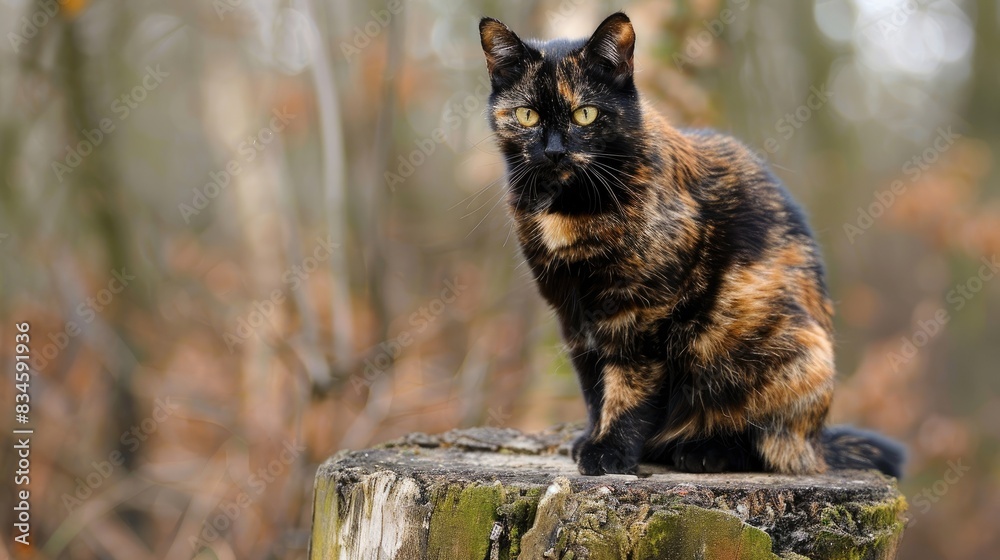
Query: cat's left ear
column 611, row 47
column 504, row 50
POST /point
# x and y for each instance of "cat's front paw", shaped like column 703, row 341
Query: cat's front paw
column 595, row 459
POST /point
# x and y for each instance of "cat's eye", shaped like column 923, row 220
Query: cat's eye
column 585, row 115
column 526, row 116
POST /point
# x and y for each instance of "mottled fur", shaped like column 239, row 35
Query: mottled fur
column 687, row 284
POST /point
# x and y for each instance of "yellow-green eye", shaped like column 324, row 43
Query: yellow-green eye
column 526, row 116
column 585, row 115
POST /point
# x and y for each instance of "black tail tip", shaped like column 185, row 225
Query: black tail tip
column 846, row 447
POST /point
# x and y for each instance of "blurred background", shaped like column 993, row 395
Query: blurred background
column 247, row 234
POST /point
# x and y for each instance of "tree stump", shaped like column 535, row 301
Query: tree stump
column 489, row 494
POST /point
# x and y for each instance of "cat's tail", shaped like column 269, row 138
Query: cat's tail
column 846, row 447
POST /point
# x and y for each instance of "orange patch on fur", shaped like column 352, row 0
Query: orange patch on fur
column 558, row 231
column 617, row 322
column 688, row 430
column 790, row 453
column 619, row 395
column 623, row 390
column 746, row 299
column 807, row 383
column 566, row 92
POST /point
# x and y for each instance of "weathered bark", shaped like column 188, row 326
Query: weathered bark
column 488, row 494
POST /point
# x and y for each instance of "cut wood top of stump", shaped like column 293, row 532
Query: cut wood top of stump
column 857, row 513
column 511, row 456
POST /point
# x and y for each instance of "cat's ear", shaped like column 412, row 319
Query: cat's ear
column 611, row 47
column 505, row 52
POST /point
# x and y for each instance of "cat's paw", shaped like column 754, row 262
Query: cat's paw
column 595, row 459
column 687, row 458
column 710, row 456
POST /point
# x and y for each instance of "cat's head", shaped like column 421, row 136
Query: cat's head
column 566, row 115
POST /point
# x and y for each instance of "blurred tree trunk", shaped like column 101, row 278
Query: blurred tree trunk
column 378, row 199
column 96, row 188
column 982, row 111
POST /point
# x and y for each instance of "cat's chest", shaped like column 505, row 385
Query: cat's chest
column 554, row 236
column 557, row 232
column 596, row 308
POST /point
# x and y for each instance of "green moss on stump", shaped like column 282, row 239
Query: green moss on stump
column 517, row 518
column 479, row 521
column 461, row 520
column 325, row 521
column 837, row 536
column 693, row 532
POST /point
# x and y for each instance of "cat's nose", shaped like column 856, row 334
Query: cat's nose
column 554, row 148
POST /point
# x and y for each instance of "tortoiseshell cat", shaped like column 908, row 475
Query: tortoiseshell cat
column 688, row 286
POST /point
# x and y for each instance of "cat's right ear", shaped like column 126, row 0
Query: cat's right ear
column 505, row 52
